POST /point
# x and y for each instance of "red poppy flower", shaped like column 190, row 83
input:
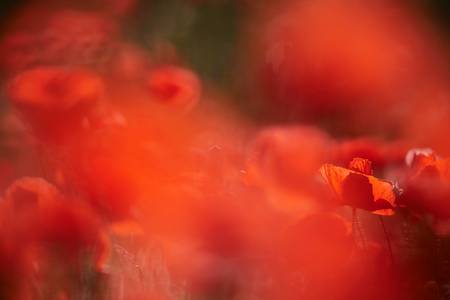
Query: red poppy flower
column 318, row 241
column 360, row 190
column 174, row 86
column 425, row 161
column 418, row 158
column 22, row 200
column 49, row 239
column 35, row 210
column 327, row 58
column 284, row 161
column 109, row 184
column 69, row 231
column 54, row 100
column 427, row 189
column 55, row 89
column 287, row 155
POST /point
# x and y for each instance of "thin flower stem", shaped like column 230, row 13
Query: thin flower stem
column 388, row 240
column 357, row 228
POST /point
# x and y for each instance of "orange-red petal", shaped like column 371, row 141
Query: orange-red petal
column 353, row 188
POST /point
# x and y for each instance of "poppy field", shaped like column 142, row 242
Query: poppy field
column 224, row 150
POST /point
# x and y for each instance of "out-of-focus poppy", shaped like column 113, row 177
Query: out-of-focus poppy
column 59, row 237
column 287, row 155
column 419, row 157
column 46, row 216
column 425, row 162
column 328, row 58
column 108, row 184
column 360, row 190
column 142, row 161
column 371, row 275
column 427, row 188
column 71, row 231
column 54, row 101
column 22, row 200
column 313, row 252
column 56, row 89
column 319, row 241
column 284, row 161
column 174, row 86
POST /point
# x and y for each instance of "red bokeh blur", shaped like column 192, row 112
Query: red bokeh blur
column 308, row 162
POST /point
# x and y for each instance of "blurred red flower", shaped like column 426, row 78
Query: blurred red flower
column 284, row 161
column 174, row 86
column 318, row 242
column 427, row 188
column 54, row 101
column 313, row 253
column 54, row 237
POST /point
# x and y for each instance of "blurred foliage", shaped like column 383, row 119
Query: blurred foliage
column 205, row 34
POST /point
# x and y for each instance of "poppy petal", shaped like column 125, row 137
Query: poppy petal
column 361, row 165
column 359, row 190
